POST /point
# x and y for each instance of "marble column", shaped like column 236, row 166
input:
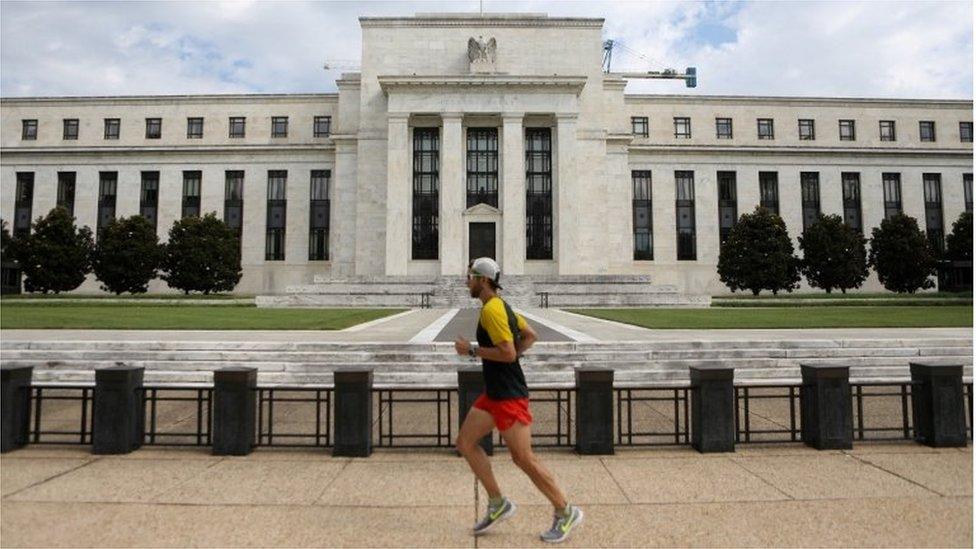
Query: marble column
column 452, row 195
column 398, row 195
column 342, row 243
column 513, row 194
column 566, row 206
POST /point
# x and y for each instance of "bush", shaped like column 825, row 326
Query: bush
column 201, row 256
column 902, row 255
column 834, row 255
column 758, row 255
column 5, row 241
column 127, row 255
column 959, row 243
column 56, row 255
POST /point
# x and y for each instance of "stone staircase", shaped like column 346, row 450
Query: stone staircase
column 435, row 364
column 450, row 291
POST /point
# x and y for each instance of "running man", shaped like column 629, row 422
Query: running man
column 503, row 337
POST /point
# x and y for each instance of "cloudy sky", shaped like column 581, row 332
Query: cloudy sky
column 856, row 49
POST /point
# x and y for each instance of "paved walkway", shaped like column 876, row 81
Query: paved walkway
column 878, row 494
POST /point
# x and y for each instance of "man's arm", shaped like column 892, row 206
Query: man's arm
column 528, row 338
column 502, row 352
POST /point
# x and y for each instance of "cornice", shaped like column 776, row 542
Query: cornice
column 748, row 149
column 572, row 84
column 203, row 149
column 478, row 20
column 170, row 99
column 647, row 99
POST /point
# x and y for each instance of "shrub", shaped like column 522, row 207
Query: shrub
column 902, row 255
column 758, row 255
column 202, row 255
column 834, row 255
column 127, row 255
column 56, row 255
column 959, row 243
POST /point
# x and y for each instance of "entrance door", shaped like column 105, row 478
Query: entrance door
column 481, row 240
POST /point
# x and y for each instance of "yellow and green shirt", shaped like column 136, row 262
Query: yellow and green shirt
column 498, row 323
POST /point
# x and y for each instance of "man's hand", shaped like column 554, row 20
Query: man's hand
column 461, row 345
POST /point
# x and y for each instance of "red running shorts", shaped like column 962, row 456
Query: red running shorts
column 505, row 412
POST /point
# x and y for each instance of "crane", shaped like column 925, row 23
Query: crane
column 690, row 76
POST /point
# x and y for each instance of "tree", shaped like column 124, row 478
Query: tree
column 758, row 255
column 56, row 255
column 959, row 243
column 902, row 255
column 834, row 254
column 5, row 241
column 127, row 255
column 201, row 256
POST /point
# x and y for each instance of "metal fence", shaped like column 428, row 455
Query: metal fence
column 302, row 416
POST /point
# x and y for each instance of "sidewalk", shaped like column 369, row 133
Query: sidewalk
column 879, row 494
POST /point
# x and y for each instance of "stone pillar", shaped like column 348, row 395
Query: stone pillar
column 342, row 226
column 119, row 416
column 594, row 410
column 235, row 405
column 938, row 405
column 470, row 386
column 353, row 412
column 513, row 194
column 826, row 417
column 15, row 399
column 712, row 409
column 398, row 195
column 566, row 195
column 452, row 195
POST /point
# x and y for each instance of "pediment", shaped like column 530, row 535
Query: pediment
column 483, row 209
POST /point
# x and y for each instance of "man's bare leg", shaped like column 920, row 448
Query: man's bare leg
column 518, row 438
column 477, row 424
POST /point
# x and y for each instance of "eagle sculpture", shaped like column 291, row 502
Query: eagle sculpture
column 481, row 51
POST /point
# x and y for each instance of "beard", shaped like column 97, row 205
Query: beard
column 475, row 291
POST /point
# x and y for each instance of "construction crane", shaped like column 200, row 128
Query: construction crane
column 690, row 75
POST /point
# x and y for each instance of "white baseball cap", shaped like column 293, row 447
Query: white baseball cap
column 486, row 267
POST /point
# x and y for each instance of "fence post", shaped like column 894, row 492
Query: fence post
column 353, row 412
column 825, row 407
column 712, row 409
column 938, row 407
column 15, row 403
column 235, row 404
column 594, row 410
column 470, row 385
column 119, row 415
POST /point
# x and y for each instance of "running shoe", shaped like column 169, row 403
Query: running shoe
column 562, row 525
column 494, row 516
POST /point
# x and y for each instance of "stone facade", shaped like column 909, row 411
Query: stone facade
column 545, row 73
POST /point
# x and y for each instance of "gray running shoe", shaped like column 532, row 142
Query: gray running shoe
column 494, row 516
column 562, row 526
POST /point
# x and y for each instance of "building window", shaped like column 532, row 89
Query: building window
column 967, row 190
column 28, row 130
column 154, row 128
column 638, row 126
column 727, row 204
column 66, row 191
column 810, row 197
column 769, row 191
column 279, row 126
column 538, row 193
column 318, row 223
column 274, row 244
column 23, row 202
column 234, row 200
column 932, row 191
column 112, row 126
column 926, row 130
column 847, row 130
column 426, row 197
column 966, row 132
column 643, row 216
column 149, row 197
column 887, row 130
column 482, row 166
column 71, row 128
column 191, row 193
column 723, row 128
column 851, row 189
column 891, row 185
column 685, row 213
column 107, row 185
column 807, row 129
column 322, row 126
column 194, row 128
column 682, row 128
column 236, row 125
column 765, row 126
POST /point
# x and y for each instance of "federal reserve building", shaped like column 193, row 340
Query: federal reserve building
column 469, row 135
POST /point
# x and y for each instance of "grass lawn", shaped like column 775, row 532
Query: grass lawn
column 839, row 295
column 167, row 317
column 792, row 317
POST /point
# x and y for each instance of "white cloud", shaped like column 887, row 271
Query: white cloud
column 905, row 49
